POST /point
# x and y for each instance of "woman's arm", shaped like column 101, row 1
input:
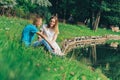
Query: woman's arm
column 54, row 37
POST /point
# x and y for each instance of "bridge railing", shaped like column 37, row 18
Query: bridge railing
column 68, row 44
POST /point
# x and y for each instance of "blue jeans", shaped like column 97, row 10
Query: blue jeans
column 43, row 43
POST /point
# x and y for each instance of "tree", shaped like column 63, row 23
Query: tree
column 6, row 4
column 62, row 8
column 45, row 3
column 112, row 17
column 96, row 12
column 33, row 6
column 96, row 8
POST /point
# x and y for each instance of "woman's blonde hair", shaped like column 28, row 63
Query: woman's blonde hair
column 55, row 28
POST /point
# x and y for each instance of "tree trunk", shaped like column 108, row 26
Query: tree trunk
column 9, row 12
column 96, row 22
column 64, row 21
column 3, row 10
column 91, row 20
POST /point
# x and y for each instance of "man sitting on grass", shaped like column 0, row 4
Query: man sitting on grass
column 29, row 32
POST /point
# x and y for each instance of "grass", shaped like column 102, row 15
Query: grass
column 70, row 31
column 20, row 63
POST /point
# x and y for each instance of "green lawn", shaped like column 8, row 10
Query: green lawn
column 20, row 63
column 70, row 31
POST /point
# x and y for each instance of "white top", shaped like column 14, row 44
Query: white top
column 48, row 32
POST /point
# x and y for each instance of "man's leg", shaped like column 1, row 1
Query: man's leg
column 36, row 44
column 44, row 43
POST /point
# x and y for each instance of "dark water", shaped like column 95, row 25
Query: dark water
column 100, row 56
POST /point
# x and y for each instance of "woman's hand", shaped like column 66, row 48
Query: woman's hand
column 51, row 42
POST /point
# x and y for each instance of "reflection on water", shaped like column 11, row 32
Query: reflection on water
column 105, row 57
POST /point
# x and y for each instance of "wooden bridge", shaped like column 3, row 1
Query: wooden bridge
column 82, row 41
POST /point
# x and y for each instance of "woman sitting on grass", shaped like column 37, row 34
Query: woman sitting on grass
column 30, row 30
column 51, row 31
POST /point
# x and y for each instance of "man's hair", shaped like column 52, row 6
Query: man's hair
column 37, row 18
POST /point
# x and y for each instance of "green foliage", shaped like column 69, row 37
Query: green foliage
column 112, row 17
column 45, row 3
column 104, row 6
column 28, row 7
column 7, row 3
column 85, row 10
column 113, row 20
column 6, row 6
column 21, row 12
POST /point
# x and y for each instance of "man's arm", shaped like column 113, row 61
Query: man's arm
column 44, row 37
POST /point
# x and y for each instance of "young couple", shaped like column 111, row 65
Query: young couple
column 47, row 35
